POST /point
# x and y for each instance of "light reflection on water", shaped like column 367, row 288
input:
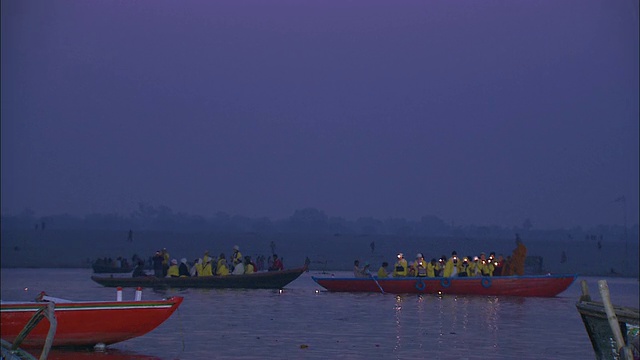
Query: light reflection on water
column 302, row 323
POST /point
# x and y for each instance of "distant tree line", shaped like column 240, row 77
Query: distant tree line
column 309, row 220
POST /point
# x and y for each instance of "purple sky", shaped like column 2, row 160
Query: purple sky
column 479, row 112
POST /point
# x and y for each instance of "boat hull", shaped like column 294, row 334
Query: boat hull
column 87, row 323
column 260, row 280
column 599, row 330
column 529, row 286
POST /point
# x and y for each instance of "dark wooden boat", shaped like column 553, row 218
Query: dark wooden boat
column 600, row 327
column 109, row 269
column 259, row 280
column 540, row 286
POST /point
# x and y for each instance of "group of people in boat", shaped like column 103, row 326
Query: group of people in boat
column 207, row 265
column 480, row 265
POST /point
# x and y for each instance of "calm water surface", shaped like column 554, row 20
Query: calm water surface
column 300, row 323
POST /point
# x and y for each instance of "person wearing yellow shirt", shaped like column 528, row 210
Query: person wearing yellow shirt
column 206, row 257
column 207, row 268
column 476, row 267
column 516, row 266
column 222, row 269
column 452, row 266
column 173, row 270
column 165, row 261
column 236, row 257
column 440, row 266
column 196, row 270
column 248, row 265
column 400, row 268
column 465, row 268
column 431, row 268
column 382, row 272
column 419, row 266
column 487, row 266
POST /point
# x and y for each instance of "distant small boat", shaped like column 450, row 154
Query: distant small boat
column 259, row 280
column 106, row 269
column 602, row 328
column 86, row 323
column 539, row 286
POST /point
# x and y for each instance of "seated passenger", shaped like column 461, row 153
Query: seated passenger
column 139, row 270
column 222, row 269
column 173, row 270
column 249, row 267
column 196, row 269
column 238, row 269
column 183, row 269
column 276, row 265
column 207, row 268
column 365, row 270
column 357, row 272
column 382, row 272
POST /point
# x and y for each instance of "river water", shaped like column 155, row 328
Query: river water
column 303, row 323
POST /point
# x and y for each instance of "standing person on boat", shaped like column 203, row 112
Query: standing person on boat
column 419, row 267
column 236, row 257
column 452, row 266
column 157, row 264
column 486, row 267
column 464, row 267
column 221, row 268
column 165, row 262
column 498, row 265
column 518, row 257
column 276, row 265
column 173, row 270
column 139, row 269
column 183, row 269
column 431, row 268
column 506, row 269
column 440, row 266
column 476, row 267
column 382, row 272
column 400, row 268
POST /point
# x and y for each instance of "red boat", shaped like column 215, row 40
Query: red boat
column 540, row 286
column 86, row 323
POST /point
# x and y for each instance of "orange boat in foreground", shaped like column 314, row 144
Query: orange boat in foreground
column 86, row 323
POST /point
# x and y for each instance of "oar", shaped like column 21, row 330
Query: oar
column 379, row 287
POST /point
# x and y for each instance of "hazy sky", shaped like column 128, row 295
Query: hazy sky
column 479, row 112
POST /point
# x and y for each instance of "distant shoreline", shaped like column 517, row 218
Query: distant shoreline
column 312, row 269
column 78, row 249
